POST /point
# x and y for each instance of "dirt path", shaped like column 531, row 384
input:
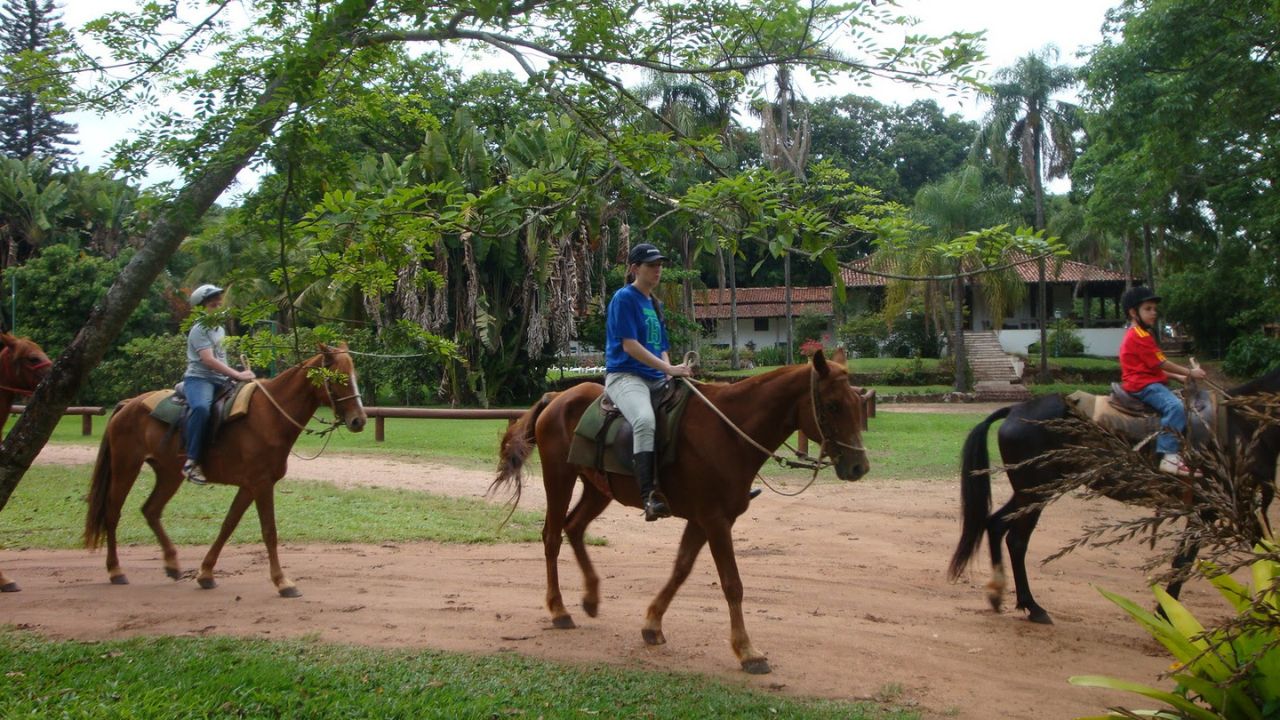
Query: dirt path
column 845, row 592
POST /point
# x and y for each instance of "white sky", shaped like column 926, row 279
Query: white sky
column 1013, row 29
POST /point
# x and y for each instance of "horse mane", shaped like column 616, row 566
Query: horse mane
column 1267, row 383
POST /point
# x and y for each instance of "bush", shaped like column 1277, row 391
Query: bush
column 910, row 374
column 912, row 337
column 862, row 336
column 1252, row 355
column 771, row 355
column 142, row 365
column 1064, row 341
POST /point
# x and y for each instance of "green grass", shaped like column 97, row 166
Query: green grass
column 1068, row 388
column 173, row 677
column 48, row 509
column 887, row 390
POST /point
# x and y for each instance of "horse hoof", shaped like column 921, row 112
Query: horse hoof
column 564, row 622
column 1040, row 617
column 119, row 580
column 10, row 587
column 757, row 666
column 653, row 637
column 591, row 607
column 173, row 573
column 290, row 592
column 207, row 583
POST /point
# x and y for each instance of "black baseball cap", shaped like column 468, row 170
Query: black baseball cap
column 645, row 253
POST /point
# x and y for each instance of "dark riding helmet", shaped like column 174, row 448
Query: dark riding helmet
column 1134, row 297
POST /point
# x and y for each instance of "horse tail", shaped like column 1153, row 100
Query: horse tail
column 517, row 445
column 95, row 521
column 975, row 492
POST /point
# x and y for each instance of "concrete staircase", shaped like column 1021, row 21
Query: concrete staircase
column 995, row 376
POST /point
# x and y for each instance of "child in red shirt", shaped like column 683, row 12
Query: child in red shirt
column 1144, row 372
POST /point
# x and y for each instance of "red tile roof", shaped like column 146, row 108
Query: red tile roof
column 762, row 302
column 1059, row 271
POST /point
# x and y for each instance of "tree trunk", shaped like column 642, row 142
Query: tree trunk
column 1043, row 320
column 733, row 312
column 786, row 275
column 296, row 80
column 1128, row 259
column 957, row 337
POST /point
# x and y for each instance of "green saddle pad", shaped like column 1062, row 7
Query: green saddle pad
column 668, row 411
column 170, row 411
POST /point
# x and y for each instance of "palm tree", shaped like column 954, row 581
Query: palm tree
column 1030, row 131
column 957, row 204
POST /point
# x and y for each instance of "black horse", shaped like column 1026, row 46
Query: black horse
column 1022, row 437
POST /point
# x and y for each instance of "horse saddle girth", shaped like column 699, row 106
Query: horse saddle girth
column 1135, row 420
column 603, row 438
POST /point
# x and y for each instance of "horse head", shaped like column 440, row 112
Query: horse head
column 834, row 416
column 22, row 364
column 343, row 393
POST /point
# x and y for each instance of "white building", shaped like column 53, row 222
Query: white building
column 761, row 313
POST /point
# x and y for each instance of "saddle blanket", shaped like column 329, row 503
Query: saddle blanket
column 615, row 455
column 1206, row 417
column 233, row 406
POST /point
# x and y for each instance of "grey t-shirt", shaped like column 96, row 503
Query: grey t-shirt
column 198, row 339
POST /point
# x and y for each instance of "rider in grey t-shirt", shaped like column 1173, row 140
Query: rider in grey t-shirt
column 207, row 369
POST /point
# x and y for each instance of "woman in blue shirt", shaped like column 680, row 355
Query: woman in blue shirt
column 637, row 365
column 207, row 371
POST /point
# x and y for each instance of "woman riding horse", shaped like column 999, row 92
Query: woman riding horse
column 724, row 441
column 251, row 453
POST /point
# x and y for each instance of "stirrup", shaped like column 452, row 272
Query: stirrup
column 655, row 507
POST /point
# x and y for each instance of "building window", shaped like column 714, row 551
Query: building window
column 762, row 324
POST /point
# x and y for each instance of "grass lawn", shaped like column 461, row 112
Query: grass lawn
column 47, row 510
column 172, row 677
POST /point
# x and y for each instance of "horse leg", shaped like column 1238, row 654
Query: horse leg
column 168, row 480
column 589, row 507
column 238, row 505
column 691, row 543
column 1019, row 538
column 1186, row 555
column 124, row 472
column 997, row 526
column 7, row 585
column 720, row 537
column 266, row 504
column 558, row 482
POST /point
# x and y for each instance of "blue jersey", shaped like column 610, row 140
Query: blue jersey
column 632, row 315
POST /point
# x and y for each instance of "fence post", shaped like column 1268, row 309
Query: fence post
column 86, row 424
column 379, row 429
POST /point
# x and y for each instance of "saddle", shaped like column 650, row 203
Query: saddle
column 1127, row 415
column 230, row 403
column 603, row 438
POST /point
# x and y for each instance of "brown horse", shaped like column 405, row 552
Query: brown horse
column 708, row 484
column 22, row 366
column 251, row 453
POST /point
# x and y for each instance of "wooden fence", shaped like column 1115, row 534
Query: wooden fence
column 86, row 416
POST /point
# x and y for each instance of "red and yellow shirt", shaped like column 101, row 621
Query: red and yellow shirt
column 1140, row 360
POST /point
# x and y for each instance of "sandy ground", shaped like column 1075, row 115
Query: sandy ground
column 845, row 592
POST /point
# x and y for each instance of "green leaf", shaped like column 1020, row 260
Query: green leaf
column 1174, row 700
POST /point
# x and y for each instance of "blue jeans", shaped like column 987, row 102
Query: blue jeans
column 199, row 392
column 1172, row 415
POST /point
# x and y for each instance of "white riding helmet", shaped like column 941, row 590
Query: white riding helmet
column 203, row 293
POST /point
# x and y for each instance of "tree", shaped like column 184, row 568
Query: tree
column 294, row 51
column 30, row 36
column 1027, row 130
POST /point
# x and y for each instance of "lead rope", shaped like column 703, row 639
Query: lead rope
column 327, row 432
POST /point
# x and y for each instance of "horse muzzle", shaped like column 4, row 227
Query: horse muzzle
column 356, row 423
column 852, row 465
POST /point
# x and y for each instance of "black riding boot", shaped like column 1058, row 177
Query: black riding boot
column 655, row 505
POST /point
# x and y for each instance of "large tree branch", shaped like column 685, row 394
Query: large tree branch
column 293, row 83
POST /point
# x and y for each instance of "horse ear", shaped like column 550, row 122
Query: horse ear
column 839, row 357
column 820, row 364
column 7, row 340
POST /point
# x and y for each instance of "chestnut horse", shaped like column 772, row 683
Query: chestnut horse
column 251, row 453
column 707, row 485
column 1023, row 437
column 22, row 366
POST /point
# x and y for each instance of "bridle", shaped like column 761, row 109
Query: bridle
column 6, row 366
column 333, row 405
column 814, row 464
